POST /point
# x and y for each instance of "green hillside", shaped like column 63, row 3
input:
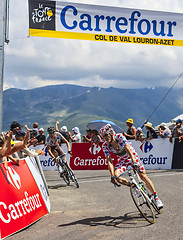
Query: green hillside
column 76, row 105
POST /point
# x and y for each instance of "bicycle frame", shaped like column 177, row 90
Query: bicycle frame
column 139, row 184
column 70, row 173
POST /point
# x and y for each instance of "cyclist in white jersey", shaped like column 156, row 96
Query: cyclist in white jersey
column 118, row 144
column 53, row 143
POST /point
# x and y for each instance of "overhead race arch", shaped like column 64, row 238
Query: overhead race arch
column 102, row 23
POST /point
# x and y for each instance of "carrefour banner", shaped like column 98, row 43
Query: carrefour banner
column 102, row 23
column 21, row 201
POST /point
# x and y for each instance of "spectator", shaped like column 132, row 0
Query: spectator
column 15, row 126
column 7, row 149
column 88, row 136
column 164, row 131
column 150, row 131
column 4, row 159
column 95, row 137
column 64, row 131
column 177, row 130
column 20, row 136
column 131, row 131
column 40, row 138
column 34, row 128
column 76, row 137
column 33, row 140
column 139, row 134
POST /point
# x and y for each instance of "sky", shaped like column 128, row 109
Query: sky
column 32, row 62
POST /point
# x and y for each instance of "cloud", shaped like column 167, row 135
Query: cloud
column 33, row 62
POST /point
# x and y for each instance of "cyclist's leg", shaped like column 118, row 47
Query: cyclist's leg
column 60, row 152
column 145, row 178
column 147, row 181
column 151, row 187
column 55, row 153
column 119, row 169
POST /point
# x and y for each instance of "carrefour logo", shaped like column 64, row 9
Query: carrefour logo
column 95, row 149
column 146, row 147
column 13, row 178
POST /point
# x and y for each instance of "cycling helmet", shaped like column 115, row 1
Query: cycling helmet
column 107, row 129
column 51, row 130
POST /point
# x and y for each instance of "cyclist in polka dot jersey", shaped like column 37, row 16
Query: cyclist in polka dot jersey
column 118, row 144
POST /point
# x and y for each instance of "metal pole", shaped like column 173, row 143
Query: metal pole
column 2, row 39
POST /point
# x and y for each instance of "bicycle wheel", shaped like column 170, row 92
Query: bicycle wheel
column 72, row 176
column 65, row 174
column 142, row 203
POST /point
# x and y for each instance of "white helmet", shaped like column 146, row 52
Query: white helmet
column 106, row 130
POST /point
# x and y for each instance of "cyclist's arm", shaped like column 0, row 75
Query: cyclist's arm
column 128, row 150
column 110, row 165
column 67, row 143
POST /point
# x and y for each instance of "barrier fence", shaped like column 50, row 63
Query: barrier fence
column 155, row 154
column 23, row 198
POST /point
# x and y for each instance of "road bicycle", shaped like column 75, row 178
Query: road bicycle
column 142, row 197
column 65, row 172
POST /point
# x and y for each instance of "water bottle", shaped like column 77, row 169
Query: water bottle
column 141, row 185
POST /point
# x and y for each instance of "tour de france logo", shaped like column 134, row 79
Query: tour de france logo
column 42, row 15
column 13, row 178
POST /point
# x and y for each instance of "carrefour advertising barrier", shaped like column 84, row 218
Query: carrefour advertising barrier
column 104, row 23
column 155, row 154
column 21, row 200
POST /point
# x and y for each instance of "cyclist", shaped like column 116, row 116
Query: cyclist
column 118, row 144
column 53, row 141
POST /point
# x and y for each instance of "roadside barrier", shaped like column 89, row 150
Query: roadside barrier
column 155, row 154
column 23, row 198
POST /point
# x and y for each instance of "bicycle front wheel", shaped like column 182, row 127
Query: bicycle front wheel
column 72, row 175
column 142, row 203
column 65, row 175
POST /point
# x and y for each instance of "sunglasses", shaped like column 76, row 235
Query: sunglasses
column 51, row 131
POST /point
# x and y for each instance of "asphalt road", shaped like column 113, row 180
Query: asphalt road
column 97, row 210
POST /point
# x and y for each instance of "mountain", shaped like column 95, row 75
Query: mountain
column 73, row 105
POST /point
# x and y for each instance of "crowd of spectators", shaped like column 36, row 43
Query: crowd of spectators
column 15, row 143
column 162, row 132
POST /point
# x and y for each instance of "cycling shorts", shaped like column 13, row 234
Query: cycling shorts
column 57, row 148
column 123, row 164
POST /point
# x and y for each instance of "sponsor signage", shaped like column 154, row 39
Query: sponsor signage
column 103, row 23
column 87, row 157
column 21, row 202
column 46, row 161
column 155, row 154
column 31, row 163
